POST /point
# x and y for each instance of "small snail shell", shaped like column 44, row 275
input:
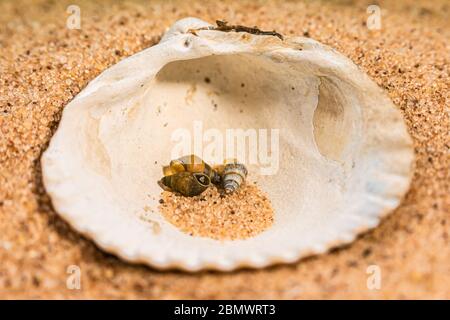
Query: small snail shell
column 189, row 184
column 233, row 176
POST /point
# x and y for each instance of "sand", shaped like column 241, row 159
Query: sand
column 213, row 214
column 43, row 65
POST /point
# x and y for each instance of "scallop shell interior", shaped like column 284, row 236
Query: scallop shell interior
column 344, row 153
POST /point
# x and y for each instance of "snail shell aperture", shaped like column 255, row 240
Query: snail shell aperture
column 187, row 183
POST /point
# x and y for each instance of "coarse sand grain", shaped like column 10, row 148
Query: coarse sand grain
column 213, row 214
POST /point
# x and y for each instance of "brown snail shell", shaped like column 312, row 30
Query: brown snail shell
column 188, row 175
column 189, row 184
column 190, row 163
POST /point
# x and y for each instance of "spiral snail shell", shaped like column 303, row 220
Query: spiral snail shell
column 188, row 175
column 234, row 175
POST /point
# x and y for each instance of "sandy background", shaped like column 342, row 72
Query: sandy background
column 43, row 65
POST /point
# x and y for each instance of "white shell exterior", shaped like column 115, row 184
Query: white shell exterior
column 345, row 155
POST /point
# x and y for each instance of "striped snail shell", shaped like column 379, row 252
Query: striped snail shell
column 233, row 176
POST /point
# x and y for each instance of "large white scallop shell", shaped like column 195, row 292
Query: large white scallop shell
column 345, row 155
